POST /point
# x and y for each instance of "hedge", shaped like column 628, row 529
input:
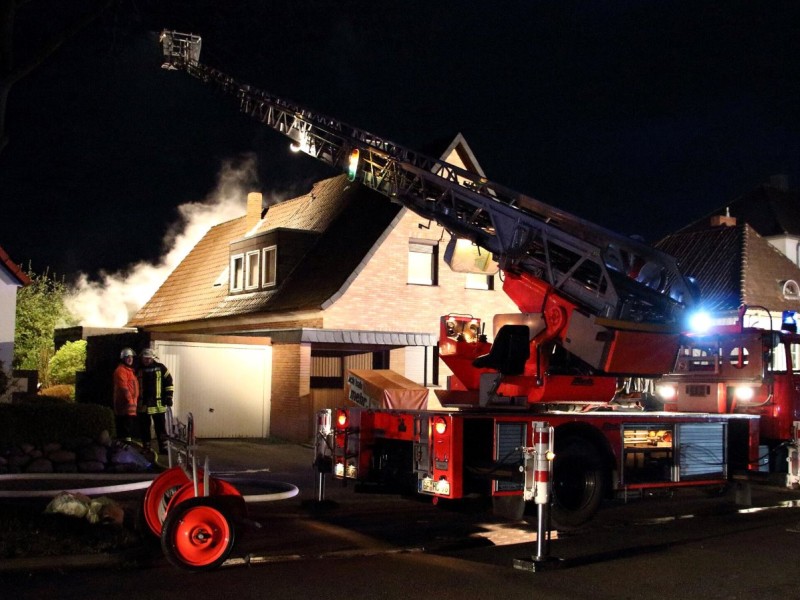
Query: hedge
column 43, row 421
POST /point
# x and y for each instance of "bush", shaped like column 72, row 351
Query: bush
column 65, row 393
column 69, row 359
column 52, row 420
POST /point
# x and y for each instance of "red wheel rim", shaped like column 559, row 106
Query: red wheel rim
column 158, row 495
column 216, row 487
column 201, row 536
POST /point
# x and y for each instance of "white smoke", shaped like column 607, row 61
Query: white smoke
column 113, row 299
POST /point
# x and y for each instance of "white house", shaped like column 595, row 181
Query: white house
column 12, row 277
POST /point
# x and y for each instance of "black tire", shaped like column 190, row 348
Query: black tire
column 579, row 481
column 198, row 534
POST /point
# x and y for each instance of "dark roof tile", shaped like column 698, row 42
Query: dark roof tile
column 733, row 265
column 350, row 219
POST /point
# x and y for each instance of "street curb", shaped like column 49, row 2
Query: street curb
column 73, row 561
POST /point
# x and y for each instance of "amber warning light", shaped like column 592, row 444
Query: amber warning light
column 352, row 165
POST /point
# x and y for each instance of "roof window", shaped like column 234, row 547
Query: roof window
column 790, row 289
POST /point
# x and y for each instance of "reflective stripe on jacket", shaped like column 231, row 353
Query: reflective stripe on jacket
column 156, row 386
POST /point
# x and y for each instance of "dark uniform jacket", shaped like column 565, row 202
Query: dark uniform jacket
column 156, row 388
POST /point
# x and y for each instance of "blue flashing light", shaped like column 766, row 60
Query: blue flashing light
column 700, row 322
column 788, row 321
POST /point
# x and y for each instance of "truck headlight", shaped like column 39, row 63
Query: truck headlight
column 744, row 393
column 666, row 392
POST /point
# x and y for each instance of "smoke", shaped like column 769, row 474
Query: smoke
column 113, row 299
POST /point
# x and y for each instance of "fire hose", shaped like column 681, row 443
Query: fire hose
column 287, row 490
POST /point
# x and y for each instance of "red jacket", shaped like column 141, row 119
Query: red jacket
column 126, row 391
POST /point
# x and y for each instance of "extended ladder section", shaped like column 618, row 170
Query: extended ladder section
column 604, row 273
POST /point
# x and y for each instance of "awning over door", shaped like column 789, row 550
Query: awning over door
column 350, row 337
column 383, row 388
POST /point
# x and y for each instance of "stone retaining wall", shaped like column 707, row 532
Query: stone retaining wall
column 80, row 455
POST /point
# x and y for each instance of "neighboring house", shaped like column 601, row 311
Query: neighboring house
column 734, row 265
column 772, row 210
column 12, row 277
column 337, row 279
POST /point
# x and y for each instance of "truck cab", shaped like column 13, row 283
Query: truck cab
column 739, row 371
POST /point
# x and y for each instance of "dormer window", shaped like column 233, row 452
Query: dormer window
column 253, row 270
column 254, row 262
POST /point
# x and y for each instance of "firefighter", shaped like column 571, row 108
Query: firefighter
column 157, row 388
column 126, row 394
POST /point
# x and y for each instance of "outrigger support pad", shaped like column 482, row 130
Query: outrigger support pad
column 538, row 471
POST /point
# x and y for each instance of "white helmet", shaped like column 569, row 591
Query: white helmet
column 148, row 353
column 126, row 352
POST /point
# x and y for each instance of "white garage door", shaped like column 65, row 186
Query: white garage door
column 225, row 386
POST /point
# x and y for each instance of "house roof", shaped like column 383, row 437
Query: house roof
column 733, row 266
column 349, row 219
column 13, row 268
column 456, row 151
column 771, row 209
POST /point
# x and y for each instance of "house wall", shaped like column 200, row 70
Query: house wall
column 8, row 310
column 788, row 246
column 291, row 392
column 380, row 299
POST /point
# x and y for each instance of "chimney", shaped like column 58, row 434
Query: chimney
column 254, row 202
column 725, row 220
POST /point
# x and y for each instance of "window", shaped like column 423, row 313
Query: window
column 794, row 351
column 790, row 289
column 237, row 273
column 269, row 269
column 422, row 364
column 479, row 281
column 252, row 271
column 422, row 262
column 223, row 277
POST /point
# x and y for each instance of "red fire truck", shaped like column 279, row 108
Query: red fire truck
column 600, row 319
column 734, row 369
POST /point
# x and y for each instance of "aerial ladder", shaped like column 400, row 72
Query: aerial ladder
column 602, row 296
column 598, row 310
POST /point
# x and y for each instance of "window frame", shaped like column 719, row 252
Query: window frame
column 232, row 287
column 489, row 280
column 428, row 248
column 269, row 258
column 248, row 269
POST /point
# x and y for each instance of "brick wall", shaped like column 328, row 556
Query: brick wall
column 380, row 299
column 291, row 397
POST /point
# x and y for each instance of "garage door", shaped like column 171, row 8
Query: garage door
column 225, row 386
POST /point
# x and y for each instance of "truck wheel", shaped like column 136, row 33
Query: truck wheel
column 198, row 534
column 578, row 482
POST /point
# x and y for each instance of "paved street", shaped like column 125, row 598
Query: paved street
column 375, row 546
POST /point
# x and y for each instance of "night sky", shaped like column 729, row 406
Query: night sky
column 640, row 116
